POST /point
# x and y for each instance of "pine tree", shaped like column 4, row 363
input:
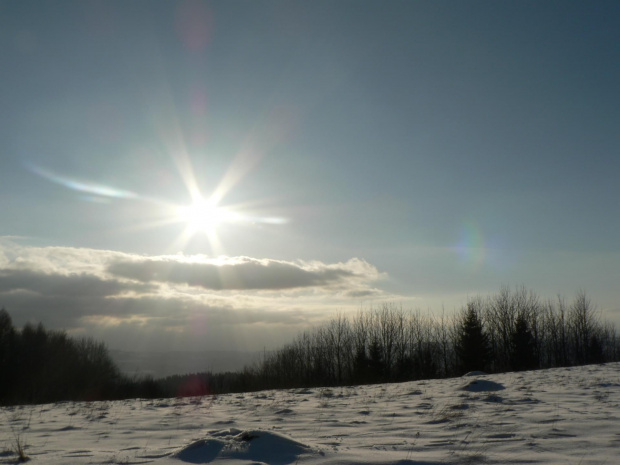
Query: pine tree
column 7, row 343
column 424, row 363
column 523, row 350
column 472, row 345
column 360, row 366
column 376, row 364
column 595, row 350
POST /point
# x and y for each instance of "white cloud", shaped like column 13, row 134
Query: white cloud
column 111, row 293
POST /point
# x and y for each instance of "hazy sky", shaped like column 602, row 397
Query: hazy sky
column 347, row 154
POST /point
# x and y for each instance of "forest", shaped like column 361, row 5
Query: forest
column 511, row 330
column 41, row 366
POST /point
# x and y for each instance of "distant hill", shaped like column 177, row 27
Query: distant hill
column 162, row 364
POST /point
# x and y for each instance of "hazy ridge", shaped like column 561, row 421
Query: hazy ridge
column 162, row 364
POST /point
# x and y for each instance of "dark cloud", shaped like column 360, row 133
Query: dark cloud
column 58, row 285
column 246, row 273
column 58, row 312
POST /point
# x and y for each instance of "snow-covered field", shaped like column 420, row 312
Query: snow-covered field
column 558, row 416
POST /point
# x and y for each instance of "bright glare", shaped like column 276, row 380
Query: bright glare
column 204, row 215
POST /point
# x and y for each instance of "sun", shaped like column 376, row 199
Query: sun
column 204, row 215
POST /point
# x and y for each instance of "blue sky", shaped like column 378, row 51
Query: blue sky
column 416, row 152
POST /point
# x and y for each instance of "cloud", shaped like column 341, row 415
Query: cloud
column 242, row 273
column 58, row 285
column 184, row 301
column 363, row 293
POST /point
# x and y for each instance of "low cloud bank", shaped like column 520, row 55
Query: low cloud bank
column 243, row 273
column 184, row 300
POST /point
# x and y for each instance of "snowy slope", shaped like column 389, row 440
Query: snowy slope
column 558, row 416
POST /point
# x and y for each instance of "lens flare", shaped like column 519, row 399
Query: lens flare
column 80, row 185
column 194, row 23
column 203, row 216
column 471, row 248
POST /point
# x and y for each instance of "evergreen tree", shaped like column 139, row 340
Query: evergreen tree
column 523, row 348
column 472, row 345
column 405, row 368
column 7, row 343
column 424, row 363
column 595, row 350
column 376, row 364
column 360, row 366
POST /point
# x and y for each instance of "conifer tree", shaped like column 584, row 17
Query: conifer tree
column 376, row 364
column 523, row 350
column 472, row 345
column 7, row 343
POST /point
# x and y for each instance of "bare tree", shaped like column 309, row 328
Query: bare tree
column 339, row 341
column 583, row 323
column 387, row 319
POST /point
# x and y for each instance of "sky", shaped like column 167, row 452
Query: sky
column 187, row 175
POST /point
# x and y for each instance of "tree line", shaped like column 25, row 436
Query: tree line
column 511, row 330
column 40, row 366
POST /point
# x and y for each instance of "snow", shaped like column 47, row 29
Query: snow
column 482, row 385
column 557, row 416
column 252, row 446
